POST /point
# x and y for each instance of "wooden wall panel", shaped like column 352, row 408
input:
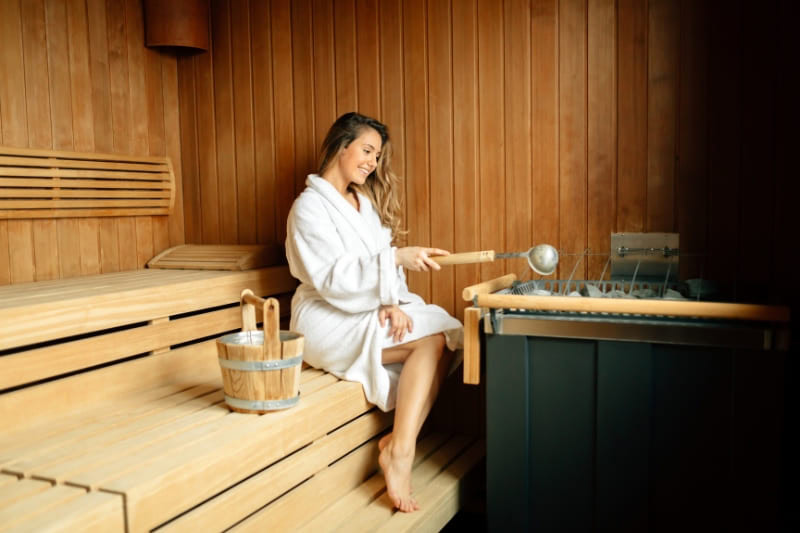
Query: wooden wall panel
column 75, row 75
column 513, row 123
column 442, row 216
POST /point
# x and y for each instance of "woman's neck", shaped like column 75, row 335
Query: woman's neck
column 338, row 181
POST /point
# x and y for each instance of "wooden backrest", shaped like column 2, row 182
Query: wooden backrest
column 59, row 184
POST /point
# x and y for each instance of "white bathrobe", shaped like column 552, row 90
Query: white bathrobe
column 345, row 263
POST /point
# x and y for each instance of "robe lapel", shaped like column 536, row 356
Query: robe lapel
column 348, row 212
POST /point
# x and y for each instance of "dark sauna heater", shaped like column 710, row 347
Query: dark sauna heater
column 658, row 409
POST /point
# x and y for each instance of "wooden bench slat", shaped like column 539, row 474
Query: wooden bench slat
column 86, row 179
column 167, row 444
column 382, row 509
column 102, row 308
column 65, row 204
column 34, row 152
column 37, row 504
column 169, row 486
column 82, row 213
column 89, row 163
column 440, row 500
column 152, row 192
column 11, row 493
column 65, row 455
column 33, row 365
column 346, row 500
column 5, row 479
column 241, row 500
column 42, row 432
column 95, row 512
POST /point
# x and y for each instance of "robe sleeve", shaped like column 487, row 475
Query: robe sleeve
column 317, row 256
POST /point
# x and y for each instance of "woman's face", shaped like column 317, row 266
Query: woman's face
column 360, row 157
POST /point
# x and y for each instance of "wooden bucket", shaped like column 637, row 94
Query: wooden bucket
column 260, row 369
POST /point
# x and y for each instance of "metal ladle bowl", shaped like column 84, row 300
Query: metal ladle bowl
column 542, row 258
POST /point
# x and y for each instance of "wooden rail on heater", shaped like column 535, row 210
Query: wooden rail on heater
column 59, row 184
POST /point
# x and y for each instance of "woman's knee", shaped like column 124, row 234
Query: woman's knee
column 436, row 342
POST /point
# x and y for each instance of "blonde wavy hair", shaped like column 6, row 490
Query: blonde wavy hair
column 382, row 184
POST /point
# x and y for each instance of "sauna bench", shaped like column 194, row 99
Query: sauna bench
column 113, row 419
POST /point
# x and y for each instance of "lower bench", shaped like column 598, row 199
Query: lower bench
column 147, row 443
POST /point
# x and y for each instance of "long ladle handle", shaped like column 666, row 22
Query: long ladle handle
column 465, row 258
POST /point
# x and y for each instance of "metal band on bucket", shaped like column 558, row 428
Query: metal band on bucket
column 253, row 366
column 261, row 405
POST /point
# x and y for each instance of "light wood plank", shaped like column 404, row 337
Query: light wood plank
column 207, row 148
column 465, row 151
column 242, row 75
column 442, row 212
column 242, row 500
column 416, row 92
column 37, row 93
column 171, row 484
column 12, row 77
column 20, row 245
column 283, row 109
column 98, row 63
column 662, row 107
column 491, row 137
column 601, row 135
column 172, row 125
column 96, row 512
column 632, row 121
column 263, row 120
column 572, row 136
column 223, row 117
column 38, row 505
column 137, row 76
column 11, row 493
column 545, row 123
column 441, row 499
column 59, row 75
column 305, row 152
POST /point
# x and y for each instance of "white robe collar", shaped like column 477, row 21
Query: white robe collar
column 346, row 209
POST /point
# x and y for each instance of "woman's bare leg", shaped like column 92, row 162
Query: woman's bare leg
column 418, row 377
column 441, row 374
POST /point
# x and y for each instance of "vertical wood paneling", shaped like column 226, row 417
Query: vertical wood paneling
column 491, row 139
column 416, row 135
column 544, row 113
column 302, row 73
column 12, row 76
column 691, row 191
column 662, row 87
column 59, row 74
column 367, row 56
column 37, row 94
column 71, row 72
column 632, row 122
column 99, row 74
column 169, row 76
column 137, row 74
column 465, row 146
column 440, row 83
column 344, row 32
column 517, row 20
column 392, row 89
column 572, row 135
column 189, row 149
column 601, row 132
column 324, row 71
column 207, row 147
column 223, row 115
column 243, row 122
column 283, row 106
column 264, row 133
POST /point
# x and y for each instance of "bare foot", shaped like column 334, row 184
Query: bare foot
column 384, row 441
column 397, row 471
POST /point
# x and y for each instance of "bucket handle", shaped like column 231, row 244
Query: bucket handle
column 271, row 315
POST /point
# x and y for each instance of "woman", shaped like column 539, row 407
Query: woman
column 353, row 304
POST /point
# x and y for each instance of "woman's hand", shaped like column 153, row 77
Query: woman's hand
column 418, row 258
column 400, row 322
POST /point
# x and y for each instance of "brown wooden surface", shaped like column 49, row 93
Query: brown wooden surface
column 76, row 76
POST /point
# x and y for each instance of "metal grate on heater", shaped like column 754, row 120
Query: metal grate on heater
column 598, row 289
